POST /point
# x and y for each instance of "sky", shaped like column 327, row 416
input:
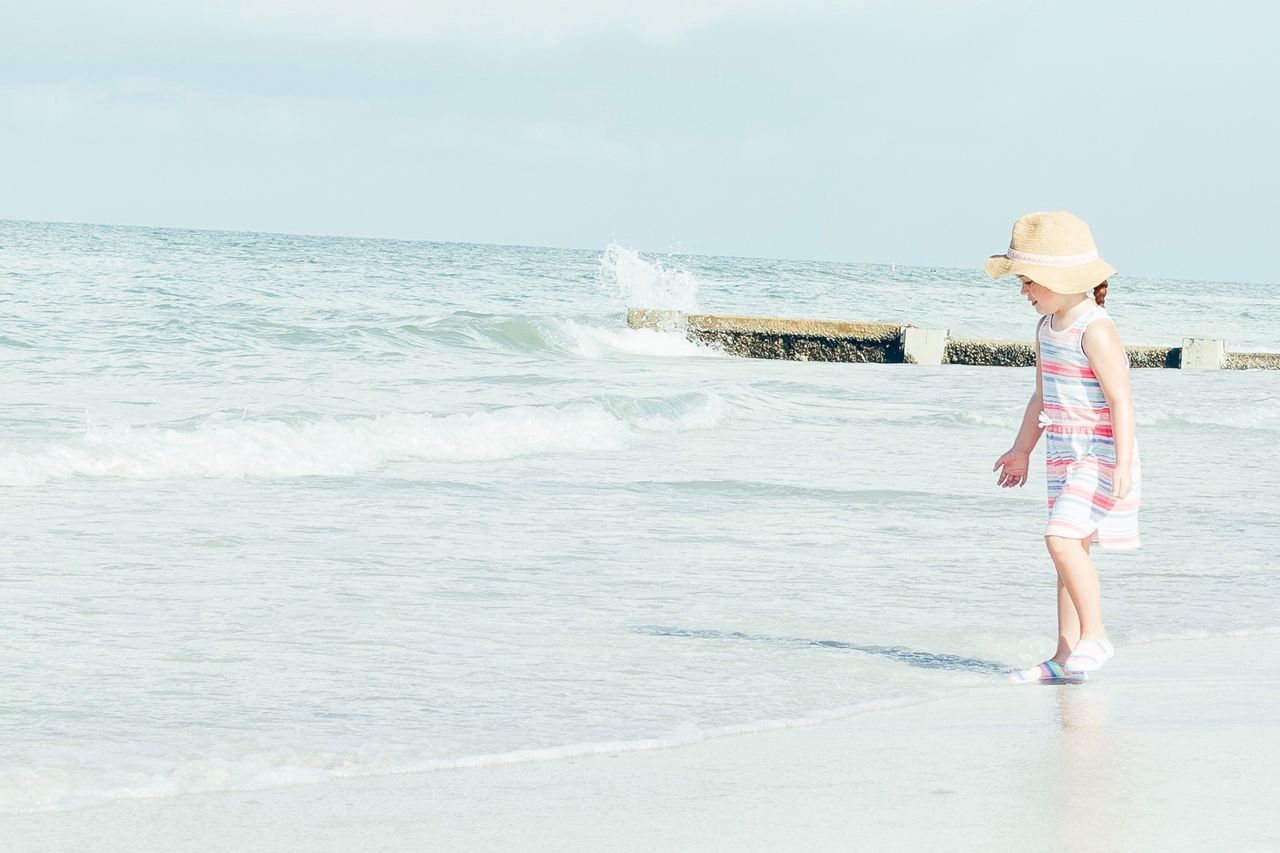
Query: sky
column 878, row 131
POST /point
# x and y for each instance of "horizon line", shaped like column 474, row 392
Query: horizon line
column 499, row 245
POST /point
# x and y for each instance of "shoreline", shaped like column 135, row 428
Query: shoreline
column 1168, row 748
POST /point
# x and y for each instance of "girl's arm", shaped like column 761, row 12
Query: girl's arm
column 1110, row 363
column 1015, row 461
column 1030, row 431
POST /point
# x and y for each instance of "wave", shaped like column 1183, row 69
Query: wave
column 584, row 339
column 592, row 338
column 44, row 789
column 329, row 446
column 47, row 789
column 647, row 284
column 595, row 342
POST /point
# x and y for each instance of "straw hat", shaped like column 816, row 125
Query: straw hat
column 1055, row 250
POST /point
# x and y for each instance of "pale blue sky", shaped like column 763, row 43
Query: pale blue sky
column 869, row 131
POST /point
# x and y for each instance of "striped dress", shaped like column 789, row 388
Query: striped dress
column 1080, row 451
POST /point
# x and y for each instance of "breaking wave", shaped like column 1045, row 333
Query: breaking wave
column 331, row 446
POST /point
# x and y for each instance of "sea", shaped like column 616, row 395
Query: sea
column 282, row 509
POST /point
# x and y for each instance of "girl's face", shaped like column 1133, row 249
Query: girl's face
column 1044, row 300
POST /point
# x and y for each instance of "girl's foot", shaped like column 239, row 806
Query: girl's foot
column 1090, row 655
column 1049, row 672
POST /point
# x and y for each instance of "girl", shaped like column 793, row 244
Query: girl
column 1082, row 398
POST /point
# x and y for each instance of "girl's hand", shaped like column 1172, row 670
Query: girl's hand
column 1014, row 464
column 1121, row 482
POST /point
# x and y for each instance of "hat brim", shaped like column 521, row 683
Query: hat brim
column 1077, row 279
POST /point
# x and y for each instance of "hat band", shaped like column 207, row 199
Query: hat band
column 1052, row 260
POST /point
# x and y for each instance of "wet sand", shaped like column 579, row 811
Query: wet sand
column 1171, row 748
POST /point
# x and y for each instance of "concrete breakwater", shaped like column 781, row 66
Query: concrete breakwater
column 892, row 343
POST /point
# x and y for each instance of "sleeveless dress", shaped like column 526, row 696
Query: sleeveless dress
column 1080, row 453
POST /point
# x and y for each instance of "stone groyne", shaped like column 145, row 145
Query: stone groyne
column 894, row 343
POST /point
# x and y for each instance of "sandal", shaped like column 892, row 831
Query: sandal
column 1049, row 672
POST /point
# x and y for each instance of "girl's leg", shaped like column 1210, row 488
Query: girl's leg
column 1068, row 624
column 1077, row 575
column 1068, row 620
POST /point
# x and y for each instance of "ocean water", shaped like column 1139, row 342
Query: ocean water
column 281, row 509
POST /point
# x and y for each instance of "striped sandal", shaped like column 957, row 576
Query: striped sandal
column 1049, row 672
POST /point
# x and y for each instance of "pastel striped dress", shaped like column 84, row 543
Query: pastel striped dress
column 1080, row 451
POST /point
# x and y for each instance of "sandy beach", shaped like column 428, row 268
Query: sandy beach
column 1172, row 748
column 408, row 576
column 635, row 427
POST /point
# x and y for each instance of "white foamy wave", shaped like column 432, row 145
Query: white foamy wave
column 335, row 447
column 36, row 789
column 596, row 342
column 984, row 419
column 42, row 789
column 648, row 284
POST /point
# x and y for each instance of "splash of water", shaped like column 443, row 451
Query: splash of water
column 647, row 284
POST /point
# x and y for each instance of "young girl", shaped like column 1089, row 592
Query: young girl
column 1082, row 399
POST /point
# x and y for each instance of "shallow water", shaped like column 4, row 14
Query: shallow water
column 284, row 508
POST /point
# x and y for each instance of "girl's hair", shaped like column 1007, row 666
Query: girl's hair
column 1100, row 294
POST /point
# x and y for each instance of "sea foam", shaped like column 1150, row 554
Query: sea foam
column 330, row 446
column 595, row 342
column 42, row 789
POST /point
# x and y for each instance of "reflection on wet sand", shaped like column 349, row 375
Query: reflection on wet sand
column 1096, row 793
